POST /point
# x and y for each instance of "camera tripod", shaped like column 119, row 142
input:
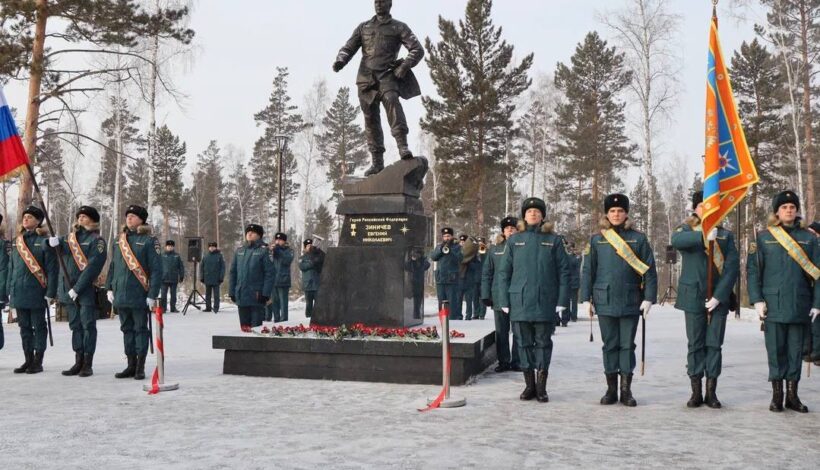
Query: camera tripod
column 670, row 293
column 192, row 297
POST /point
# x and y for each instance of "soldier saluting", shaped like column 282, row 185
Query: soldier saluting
column 705, row 335
column 383, row 77
column 619, row 278
column 133, row 283
column 32, row 285
column 84, row 253
column 784, row 286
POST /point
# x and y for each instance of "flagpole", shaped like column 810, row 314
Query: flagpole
column 711, row 245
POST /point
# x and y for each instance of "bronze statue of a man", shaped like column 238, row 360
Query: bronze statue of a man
column 383, row 77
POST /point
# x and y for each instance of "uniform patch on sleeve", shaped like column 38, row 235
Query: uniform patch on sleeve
column 752, row 248
column 156, row 246
column 100, row 245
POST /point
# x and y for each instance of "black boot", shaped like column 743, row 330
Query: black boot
column 139, row 373
column 128, row 372
column 777, row 396
column 501, row 367
column 88, row 362
column 626, row 390
column 611, row 395
column 529, row 390
column 792, row 400
column 404, row 150
column 36, row 365
column 711, row 397
column 78, row 364
column 23, row 368
column 697, row 391
column 541, row 387
column 377, row 166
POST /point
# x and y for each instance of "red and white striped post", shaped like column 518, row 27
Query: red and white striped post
column 158, row 378
column 444, row 400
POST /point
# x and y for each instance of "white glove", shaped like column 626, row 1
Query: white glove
column 815, row 312
column 760, row 308
column 712, row 304
column 150, row 302
column 73, row 294
column 53, row 241
column 645, row 306
column 559, row 309
column 48, row 299
column 110, row 295
column 589, row 308
column 712, row 236
column 506, row 310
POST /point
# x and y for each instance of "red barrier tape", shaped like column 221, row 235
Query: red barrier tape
column 160, row 350
column 442, row 315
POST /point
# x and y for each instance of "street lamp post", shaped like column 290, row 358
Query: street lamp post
column 281, row 144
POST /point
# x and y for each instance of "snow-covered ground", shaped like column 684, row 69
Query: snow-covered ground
column 221, row 421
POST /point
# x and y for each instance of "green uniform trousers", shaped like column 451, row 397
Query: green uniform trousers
column 310, row 301
column 705, row 343
column 251, row 316
column 506, row 356
column 33, row 329
column 280, row 303
column 784, row 348
column 450, row 293
column 534, row 339
column 618, row 335
column 134, row 327
column 82, row 320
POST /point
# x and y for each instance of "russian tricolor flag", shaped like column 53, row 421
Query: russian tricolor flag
column 12, row 154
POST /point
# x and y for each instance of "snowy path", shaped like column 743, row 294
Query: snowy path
column 218, row 421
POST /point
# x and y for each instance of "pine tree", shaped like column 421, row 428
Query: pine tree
column 168, row 163
column 478, row 83
column 592, row 144
column 50, row 169
column 323, row 222
column 279, row 117
column 342, row 145
column 136, row 190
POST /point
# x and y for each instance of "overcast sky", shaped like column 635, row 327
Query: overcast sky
column 241, row 42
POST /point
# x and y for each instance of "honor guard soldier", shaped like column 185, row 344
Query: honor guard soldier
column 491, row 291
column 534, row 287
column 574, row 284
column 447, row 256
column 704, row 334
column 311, row 263
column 252, row 273
column 212, row 273
column 84, row 255
column 32, row 285
column 5, row 250
column 282, row 259
column 620, row 280
column 784, row 286
column 133, row 283
column 173, row 273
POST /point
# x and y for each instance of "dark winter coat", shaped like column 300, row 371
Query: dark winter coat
column 94, row 249
column 24, row 290
column 212, row 268
column 173, row 268
column 128, row 292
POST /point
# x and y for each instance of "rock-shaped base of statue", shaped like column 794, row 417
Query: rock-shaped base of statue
column 369, row 278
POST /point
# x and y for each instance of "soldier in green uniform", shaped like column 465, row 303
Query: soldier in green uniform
column 5, row 249
column 815, row 325
column 212, row 273
column 84, row 255
column 704, row 335
column 490, row 292
column 32, row 286
column 782, row 275
column 469, row 270
column 173, row 273
column 133, row 283
column 251, row 282
column 479, row 309
column 447, row 256
column 620, row 280
column 282, row 259
column 534, row 286
column 310, row 263
column 571, row 314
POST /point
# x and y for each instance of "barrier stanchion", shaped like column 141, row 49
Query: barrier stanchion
column 158, row 378
column 444, row 400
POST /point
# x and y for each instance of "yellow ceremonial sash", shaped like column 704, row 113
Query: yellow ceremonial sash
column 76, row 251
column 31, row 262
column 131, row 261
column 794, row 250
column 624, row 251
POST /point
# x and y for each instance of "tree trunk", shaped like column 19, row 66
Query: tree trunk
column 216, row 217
column 166, row 222
column 24, row 196
column 152, row 119
column 807, row 113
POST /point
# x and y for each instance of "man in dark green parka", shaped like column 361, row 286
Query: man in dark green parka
column 814, row 338
column 80, row 298
column 311, row 262
column 173, row 273
column 282, row 259
column 534, row 288
column 705, row 335
column 618, row 292
column 571, row 314
column 5, row 250
column 251, row 282
column 212, row 273
column 32, row 287
column 133, row 286
column 491, row 295
column 785, row 294
column 447, row 256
